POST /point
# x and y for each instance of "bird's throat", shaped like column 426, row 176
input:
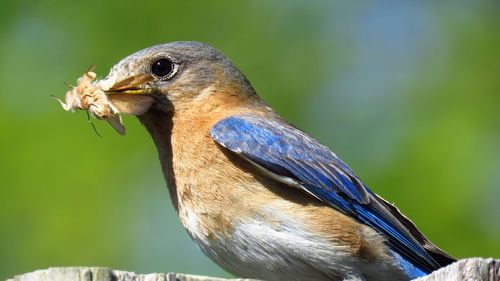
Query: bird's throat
column 159, row 125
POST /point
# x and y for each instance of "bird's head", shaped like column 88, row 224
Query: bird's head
column 172, row 77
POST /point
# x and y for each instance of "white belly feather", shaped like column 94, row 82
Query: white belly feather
column 283, row 251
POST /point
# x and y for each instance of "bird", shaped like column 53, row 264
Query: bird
column 260, row 197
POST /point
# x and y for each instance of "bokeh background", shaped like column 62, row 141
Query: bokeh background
column 406, row 92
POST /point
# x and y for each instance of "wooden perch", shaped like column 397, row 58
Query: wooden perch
column 474, row 269
column 107, row 274
column 477, row 269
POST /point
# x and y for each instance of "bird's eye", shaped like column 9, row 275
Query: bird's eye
column 162, row 68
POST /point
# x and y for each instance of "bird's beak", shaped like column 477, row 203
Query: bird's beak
column 137, row 84
column 131, row 95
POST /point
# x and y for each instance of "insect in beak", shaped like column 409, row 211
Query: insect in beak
column 91, row 96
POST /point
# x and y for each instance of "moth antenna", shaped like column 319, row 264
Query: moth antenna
column 68, row 84
column 59, row 100
column 91, row 68
column 92, row 124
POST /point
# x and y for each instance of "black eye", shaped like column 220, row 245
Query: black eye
column 162, row 67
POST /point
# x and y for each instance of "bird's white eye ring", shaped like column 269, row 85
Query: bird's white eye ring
column 163, row 68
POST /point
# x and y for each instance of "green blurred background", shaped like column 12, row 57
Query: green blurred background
column 406, row 92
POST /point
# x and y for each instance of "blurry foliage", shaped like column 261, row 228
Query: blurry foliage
column 407, row 93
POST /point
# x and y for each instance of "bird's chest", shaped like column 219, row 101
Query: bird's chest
column 206, row 187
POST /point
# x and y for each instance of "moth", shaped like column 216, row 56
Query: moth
column 88, row 96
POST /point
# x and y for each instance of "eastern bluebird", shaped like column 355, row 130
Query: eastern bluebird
column 260, row 197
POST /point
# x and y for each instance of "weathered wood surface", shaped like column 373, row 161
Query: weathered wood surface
column 472, row 269
column 107, row 274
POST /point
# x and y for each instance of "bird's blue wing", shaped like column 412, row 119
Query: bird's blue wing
column 288, row 152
